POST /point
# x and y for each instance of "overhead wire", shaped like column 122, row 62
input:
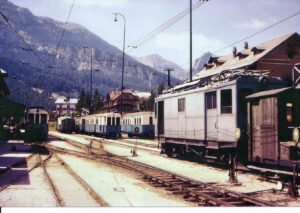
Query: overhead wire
column 66, row 24
column 164, row 26
column 252, row 35
column 21, row 38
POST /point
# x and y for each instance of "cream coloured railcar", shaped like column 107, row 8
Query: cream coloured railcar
column 202, row 120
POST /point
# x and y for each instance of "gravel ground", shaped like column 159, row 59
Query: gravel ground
column 119, row 187
column 202, row 172
column 69, row 189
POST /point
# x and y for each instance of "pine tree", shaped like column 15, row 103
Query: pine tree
column 81, row 101
column 96, row 102
column 160, row 88
column 88, row 103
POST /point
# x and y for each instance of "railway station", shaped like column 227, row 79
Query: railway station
column 225, row 134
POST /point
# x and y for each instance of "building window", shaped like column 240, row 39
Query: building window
column 181, row 105
column 289, row 112
column 226, row 101
column 211, row 100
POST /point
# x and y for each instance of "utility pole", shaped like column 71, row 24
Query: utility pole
column 91, row 69
column 122, row 84
column 191, row 42
column 169, row 70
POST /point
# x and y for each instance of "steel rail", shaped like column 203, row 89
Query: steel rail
column 58, row 199
column 230, row 198
column 19, row 177
column 90, row 190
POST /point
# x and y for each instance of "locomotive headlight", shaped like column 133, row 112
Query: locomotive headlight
column 237, row 133
column 296, row 135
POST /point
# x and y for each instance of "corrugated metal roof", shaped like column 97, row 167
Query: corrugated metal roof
column 267, row 93
column 231, row 62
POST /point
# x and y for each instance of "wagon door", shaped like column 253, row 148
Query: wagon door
column 211, row 115
column 160, row 119
column 264, row 131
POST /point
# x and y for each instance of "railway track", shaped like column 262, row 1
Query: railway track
column 58, row 190
column 14, row 180
column 204, row 194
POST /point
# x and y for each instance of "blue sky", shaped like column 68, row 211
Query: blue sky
column 216, row 23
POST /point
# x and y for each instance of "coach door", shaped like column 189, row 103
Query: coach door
column 211, row 115
column 160, row 117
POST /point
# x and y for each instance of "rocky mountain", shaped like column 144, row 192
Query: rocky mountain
column 159, row 63
column 199, row 62
column 37, row 69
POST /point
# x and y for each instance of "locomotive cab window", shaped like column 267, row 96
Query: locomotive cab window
column 43, row 118
column 31, row 118
column 181, row 105
column 211, row 100
column 289, row 112
column 226, row 101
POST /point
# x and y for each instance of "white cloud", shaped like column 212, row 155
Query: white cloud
column 253, row 24
column 104, row 3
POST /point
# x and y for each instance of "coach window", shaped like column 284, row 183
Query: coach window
column 289, row 112
column 151, row 120
column 211, row 100
column 226, row 101
column 108, row 121
column 43, row 118
column 181, row 105
column 118, row 121
column 31, row 118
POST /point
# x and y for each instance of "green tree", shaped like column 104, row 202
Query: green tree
column 146, row 104
column 81, row 101
column 96, row 105
column 160, row 88
column 88, row 103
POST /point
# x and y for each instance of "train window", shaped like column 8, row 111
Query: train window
column 151, row 120
column 226, row 101
column 118, row 121
column 211, row 100
column 43, row 118
column 113, row 121
column 140, row 121
column 37, row 118
column 30, row 118
column 181, row 105
column 108, row 121
column 289, row 112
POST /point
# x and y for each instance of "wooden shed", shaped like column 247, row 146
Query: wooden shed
column 272, row 116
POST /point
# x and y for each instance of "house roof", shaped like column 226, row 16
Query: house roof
column 267, row 93
column 64, row 101
column 243, row 58
column 3, row 72
column 114, row 94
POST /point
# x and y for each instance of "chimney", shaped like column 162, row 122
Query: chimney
column 246, row 45
column 234, row 51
